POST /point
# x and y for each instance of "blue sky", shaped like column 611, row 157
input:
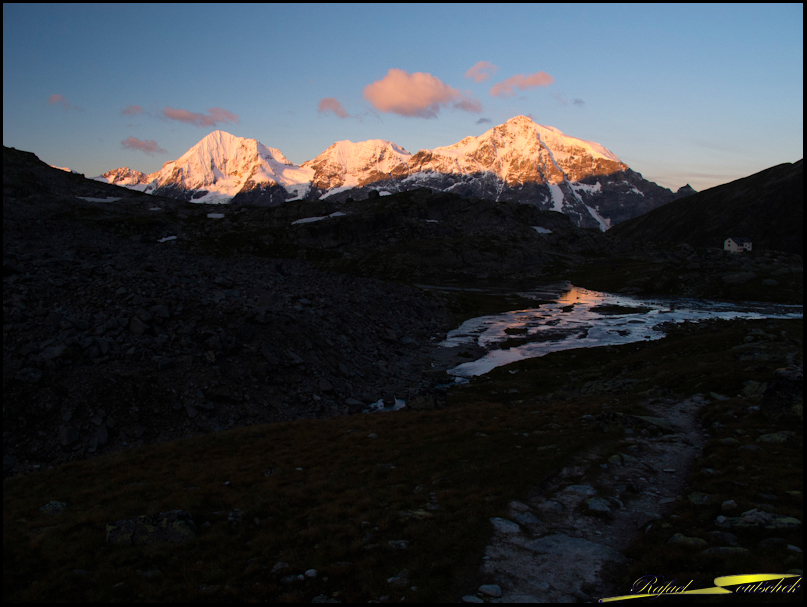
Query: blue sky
column 699, row 94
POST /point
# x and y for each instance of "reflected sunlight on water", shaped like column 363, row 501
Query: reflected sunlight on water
column 555, row 326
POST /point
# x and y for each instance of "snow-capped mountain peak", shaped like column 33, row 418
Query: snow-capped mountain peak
column 346, row 164
column 218, row 168
column 521, row 150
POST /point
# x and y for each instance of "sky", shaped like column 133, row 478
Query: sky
column 698, row 94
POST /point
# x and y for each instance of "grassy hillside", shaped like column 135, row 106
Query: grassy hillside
column 339, row 495
column 767, row 207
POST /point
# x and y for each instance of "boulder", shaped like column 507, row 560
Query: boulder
column 175, row 526
column 784, row 394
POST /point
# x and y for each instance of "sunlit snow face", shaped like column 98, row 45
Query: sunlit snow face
column 579, row 318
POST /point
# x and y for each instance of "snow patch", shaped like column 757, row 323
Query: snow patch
column 604, row 223
column 216, row 215
column 584, row 187
column 633, row 188
column 557, row 197
column 108, row 199
column 167, row 238
column 541, row 230
column 312, row 219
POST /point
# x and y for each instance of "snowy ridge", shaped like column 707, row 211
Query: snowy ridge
column 347, row 165
column 69, row 170
column 518, row 160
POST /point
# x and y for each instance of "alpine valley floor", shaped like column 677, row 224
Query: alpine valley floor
column 215, row 384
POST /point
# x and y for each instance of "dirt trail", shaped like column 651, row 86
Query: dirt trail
column 566, row 543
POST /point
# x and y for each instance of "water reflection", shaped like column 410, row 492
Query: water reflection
column 581, row 318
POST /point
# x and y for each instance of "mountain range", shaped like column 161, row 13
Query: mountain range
column 519, row 161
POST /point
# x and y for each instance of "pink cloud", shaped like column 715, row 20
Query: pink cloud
column 132, row 110
column 521, row 82
column 216, row 115
column 149, row 146
column 482, row 71
column 62, row 100
column 329, row 104
column 417, row 94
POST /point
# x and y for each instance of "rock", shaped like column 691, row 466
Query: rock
column 527, row 519
column 400, row 580
column 422, row 402
column 597, row 505
column 723, row 552
column 175, row 526
column 504, row 526
column 728, row 506
column 398, row 544
column 29, row 375
column 279, row 566
column 9, row 463
column 772, row 542
column 54, row 507
column 52, row 353
column 699, row 499
column 784, row 394
column 738, row 278
column 774, row 439
column 137, row 326
column 680, row 539
column 68, row 436
column 753, row 389
column 754, row 519
column 492, row 590
column 725, row 537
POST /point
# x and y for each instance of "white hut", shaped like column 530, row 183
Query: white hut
column 737, row 244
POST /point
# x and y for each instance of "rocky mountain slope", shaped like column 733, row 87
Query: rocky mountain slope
column 116, row 334
column 767, row 207
column 133, row 318
column 518, row 160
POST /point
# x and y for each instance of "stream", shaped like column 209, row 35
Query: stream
column 581, row 318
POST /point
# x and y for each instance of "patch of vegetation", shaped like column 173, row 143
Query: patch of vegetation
column 335, row 495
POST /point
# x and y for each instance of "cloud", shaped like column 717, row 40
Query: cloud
column 149, row 146
column 132, row 110
column 521, row 82
column 561, row 98
column 62, row 100
column 329, row 104
column 418, row 94
column 482, row 71
column 216, row 115
column 483, row 121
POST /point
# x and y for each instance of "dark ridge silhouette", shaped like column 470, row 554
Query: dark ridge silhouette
column 767, row 207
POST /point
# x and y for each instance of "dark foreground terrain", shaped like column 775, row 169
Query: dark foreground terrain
column 224, row 373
